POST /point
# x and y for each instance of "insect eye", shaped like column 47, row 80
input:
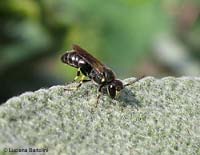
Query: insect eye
column 111, row 91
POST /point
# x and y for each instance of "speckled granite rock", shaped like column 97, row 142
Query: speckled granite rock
column 152, row 116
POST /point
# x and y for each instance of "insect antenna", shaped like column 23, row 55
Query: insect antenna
column 125, row 85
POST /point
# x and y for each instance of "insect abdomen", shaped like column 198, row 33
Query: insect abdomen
column 73, row 59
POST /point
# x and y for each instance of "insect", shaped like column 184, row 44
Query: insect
column 92, row 68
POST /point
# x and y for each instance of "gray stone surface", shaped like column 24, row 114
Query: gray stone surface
column 152, row 116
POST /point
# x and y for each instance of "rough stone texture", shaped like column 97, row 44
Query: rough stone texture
column 152, row 116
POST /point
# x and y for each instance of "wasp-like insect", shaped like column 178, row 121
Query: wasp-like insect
column 92, row 68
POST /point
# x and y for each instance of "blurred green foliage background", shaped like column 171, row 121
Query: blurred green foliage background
column 133, row 37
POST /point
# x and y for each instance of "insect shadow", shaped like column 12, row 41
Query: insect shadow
column 128, row 98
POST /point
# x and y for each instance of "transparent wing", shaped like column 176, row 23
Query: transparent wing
column 96, row 64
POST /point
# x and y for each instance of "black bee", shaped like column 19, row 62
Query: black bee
column 92, row 68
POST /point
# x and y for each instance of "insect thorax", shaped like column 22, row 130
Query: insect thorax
column 102, row 78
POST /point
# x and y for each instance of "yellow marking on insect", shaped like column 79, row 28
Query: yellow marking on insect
column 78, row 74
column 82, row 77
column 76, row 78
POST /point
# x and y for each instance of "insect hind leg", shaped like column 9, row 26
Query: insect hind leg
column 78, row 74
column 81, row 81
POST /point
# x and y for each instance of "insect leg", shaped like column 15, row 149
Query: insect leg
column 83, row 80
column 77, row 74
column 86, row 80
column 100, row 87
column 99, row 94
column 98, row 97
column 76, row 87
